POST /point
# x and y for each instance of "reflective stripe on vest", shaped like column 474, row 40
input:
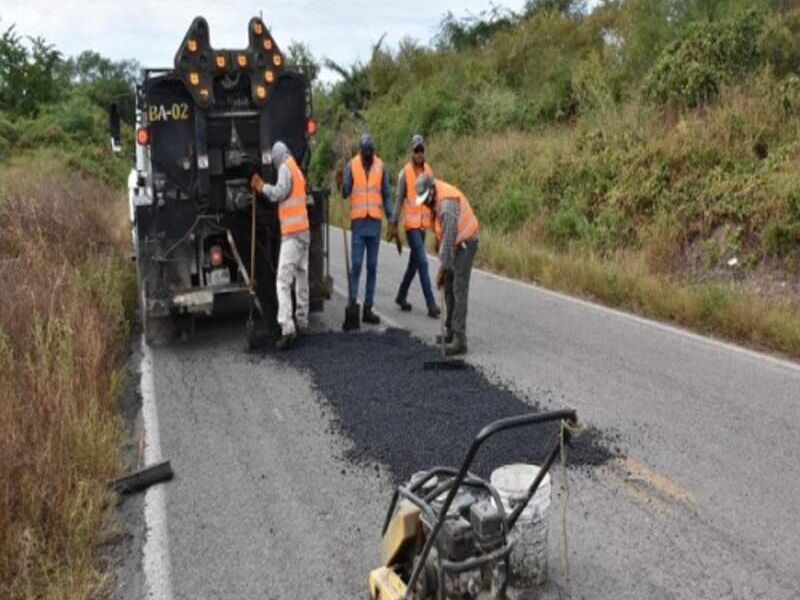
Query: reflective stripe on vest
column 416, row 217
column 467, row 221
column 366, row 198
column 292, row 212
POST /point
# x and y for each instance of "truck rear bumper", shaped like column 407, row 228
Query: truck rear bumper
column 194, row 302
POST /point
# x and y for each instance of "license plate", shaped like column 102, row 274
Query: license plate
column 220, row 277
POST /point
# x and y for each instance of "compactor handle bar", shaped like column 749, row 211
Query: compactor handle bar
column 483, row 435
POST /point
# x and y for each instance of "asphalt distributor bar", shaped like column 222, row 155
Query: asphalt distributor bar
column 397, row 413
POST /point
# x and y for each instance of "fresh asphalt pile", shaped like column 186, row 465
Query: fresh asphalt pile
column 397, row 413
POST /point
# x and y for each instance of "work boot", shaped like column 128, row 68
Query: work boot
column 434, row 312
column 285, row 341
column 403, row 304
column 448, row 338
column 370, row 317
column 457, row 346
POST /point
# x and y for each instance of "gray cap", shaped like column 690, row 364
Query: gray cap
column 367, row 143
column 417, row 140
column 280, row 152
column 424, row 185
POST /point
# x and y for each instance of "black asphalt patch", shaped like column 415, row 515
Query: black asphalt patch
column 409, row 418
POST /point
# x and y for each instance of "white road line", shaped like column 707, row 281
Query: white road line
column 672, row 329
column 155, row 559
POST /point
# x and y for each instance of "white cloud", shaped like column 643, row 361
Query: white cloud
column 150, row 30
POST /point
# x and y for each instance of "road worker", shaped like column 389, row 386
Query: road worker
column 457, row 232
column 366, row 183
column 417, row 220
column 291, row 193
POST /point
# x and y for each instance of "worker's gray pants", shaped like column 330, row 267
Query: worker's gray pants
column 293, row 268
column 456, row 289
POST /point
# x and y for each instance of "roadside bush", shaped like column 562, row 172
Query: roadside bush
column 690, row 71
column 566, row 225
column 323, row 158
column 779, row 42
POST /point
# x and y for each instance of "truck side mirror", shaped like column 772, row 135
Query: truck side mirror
column 114, row 128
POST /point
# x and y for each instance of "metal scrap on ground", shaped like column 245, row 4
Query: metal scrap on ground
column 397, row 413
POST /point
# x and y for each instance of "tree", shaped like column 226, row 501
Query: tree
column 567, row 7
column 299, row 58
column 29, row 77
column 104, row 81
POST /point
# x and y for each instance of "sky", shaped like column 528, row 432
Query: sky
column 150, row 31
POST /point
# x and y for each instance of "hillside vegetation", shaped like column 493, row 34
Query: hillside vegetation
column 645, row 154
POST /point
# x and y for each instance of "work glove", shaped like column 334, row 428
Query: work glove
column 392, row 233
column 256, row 183
column 441, row 274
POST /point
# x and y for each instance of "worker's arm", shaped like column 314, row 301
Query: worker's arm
column 347, row 183
column 401, row 195
column 449, row 220
column 280, row 191
column 386, row 192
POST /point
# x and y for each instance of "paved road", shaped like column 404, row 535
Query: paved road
column 265, row 505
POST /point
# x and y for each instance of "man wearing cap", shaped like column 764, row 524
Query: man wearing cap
column 290, row 192
column 417, row 220
column 366, row 183
column 457, row 233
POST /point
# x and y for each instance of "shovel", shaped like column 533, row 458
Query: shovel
column 252, row 336
column 352, row 311
column 445, row 364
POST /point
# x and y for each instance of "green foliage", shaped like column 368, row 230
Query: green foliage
column 323, row 158
column 104, row 81
column 692, row 69
column 46, row 101
column 300, row 58
column 566, row 225
column 29, row 76
column 472, row 31
column 779, row 42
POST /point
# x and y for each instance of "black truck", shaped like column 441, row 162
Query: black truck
column 203, row 128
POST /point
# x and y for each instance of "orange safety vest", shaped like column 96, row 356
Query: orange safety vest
column 366, row 199
column 416, row 217
column 292, row 212
column 467, row 221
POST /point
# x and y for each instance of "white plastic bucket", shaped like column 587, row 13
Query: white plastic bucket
column 529, row 555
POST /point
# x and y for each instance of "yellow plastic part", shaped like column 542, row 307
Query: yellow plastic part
column 385, row 584
column 404, row 526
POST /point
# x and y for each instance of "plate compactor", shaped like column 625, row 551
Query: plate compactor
column 446, row 534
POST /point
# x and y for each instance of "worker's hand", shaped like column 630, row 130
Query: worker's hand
column 392, row 233
column 256, row 183
column 440, row 277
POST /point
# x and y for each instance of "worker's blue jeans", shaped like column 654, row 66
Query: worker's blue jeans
column 369, row 240
column 417, row 262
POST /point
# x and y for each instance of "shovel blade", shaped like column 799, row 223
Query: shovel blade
column 455, row 364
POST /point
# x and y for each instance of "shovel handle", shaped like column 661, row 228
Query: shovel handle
column 253, row 244
column 442, row 319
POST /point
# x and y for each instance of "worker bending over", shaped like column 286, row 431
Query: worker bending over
column 366, row 183
column 291, row 194
column 457, row 232
column 416, row 220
